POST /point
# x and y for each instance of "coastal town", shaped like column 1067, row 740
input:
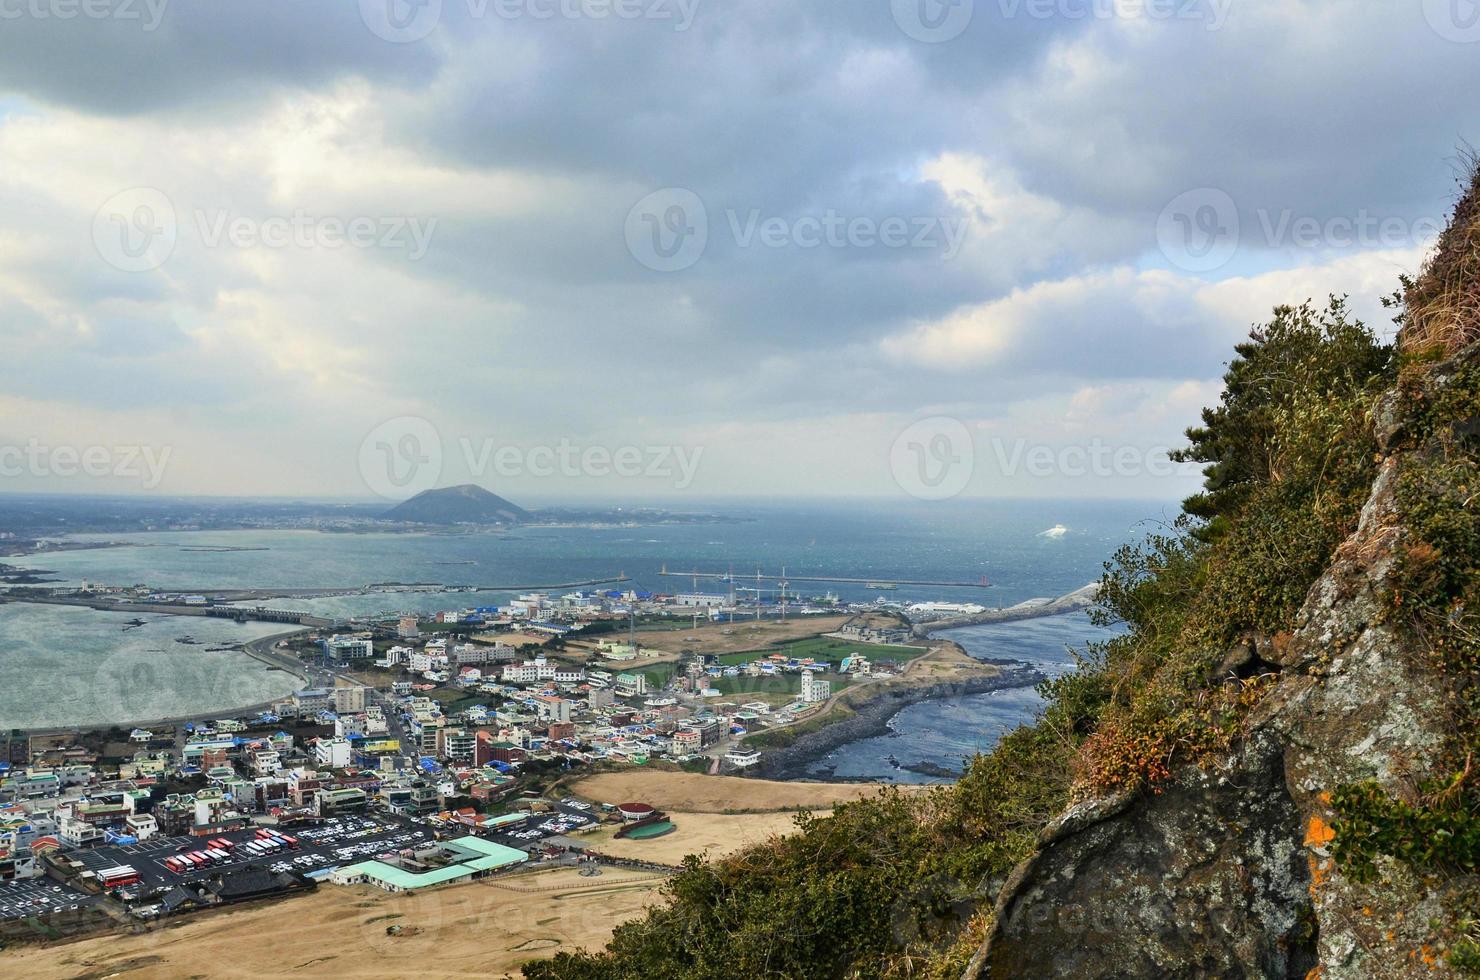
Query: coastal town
column 421, row 751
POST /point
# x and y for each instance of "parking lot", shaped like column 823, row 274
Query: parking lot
column 337, row 841
column 38, row 896
column 568, row 815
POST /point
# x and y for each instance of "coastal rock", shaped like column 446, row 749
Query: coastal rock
column 1206, row 879
column 1227, row 871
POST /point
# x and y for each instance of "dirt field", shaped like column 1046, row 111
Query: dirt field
column 476, row 930
column 734, row 637
column 717, row 834
column 697, row 793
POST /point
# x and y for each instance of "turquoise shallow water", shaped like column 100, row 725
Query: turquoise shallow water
column 65, row 666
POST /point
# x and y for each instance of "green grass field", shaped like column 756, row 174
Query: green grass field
column 657, row 675
column 785, row 686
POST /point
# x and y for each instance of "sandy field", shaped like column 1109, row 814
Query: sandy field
column 477, row 930
column 697, row 793
column 734, row 637
column 716, row 834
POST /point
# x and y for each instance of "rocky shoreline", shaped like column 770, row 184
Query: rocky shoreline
column 872, row 718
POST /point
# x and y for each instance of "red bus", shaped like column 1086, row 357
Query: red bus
column 175, row 864
column 290, row 839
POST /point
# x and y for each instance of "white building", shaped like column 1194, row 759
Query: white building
column 332, row 752
column 351, row 648
column 815, row 689
column 551, row 708
column 699, row 599
column 742, row 758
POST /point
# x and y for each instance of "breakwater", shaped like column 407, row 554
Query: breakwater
column 1081, row 598
column 872, row 718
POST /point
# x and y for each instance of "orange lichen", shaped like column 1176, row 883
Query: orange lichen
column 1318, row 833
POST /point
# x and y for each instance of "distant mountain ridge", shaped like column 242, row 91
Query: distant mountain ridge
column 466, row 504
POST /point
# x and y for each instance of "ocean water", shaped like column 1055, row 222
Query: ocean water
column 63, row 665
column 948, row 731
column 94, row 663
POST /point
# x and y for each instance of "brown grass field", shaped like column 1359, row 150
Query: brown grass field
column 715, row 834
column 690, row 792
column 477, row 930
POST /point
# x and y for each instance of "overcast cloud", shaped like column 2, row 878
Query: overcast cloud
column 273, row 236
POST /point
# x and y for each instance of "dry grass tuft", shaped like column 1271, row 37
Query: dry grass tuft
column 1443, row 303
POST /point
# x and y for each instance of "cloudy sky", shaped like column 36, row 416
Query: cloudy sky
column 664, row 247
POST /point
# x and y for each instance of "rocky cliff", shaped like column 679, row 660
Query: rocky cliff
column 1227, row 869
